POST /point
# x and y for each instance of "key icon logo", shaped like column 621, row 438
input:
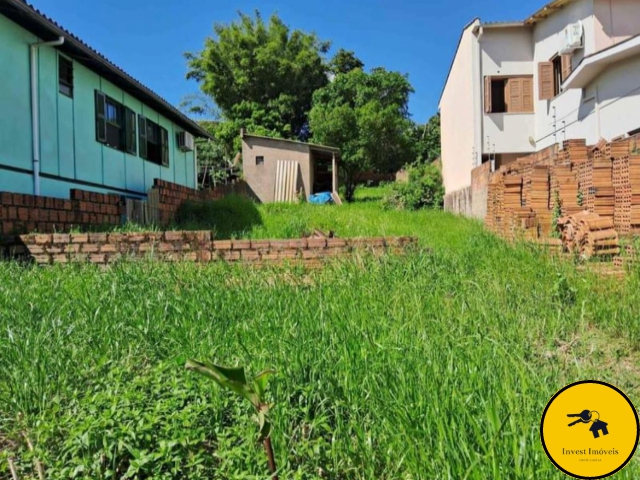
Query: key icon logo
column 588, row 416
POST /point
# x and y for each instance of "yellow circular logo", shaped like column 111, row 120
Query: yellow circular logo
column 590, row 430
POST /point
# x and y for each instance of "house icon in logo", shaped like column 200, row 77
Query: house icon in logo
column 597, row 427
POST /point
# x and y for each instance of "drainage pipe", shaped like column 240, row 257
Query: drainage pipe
column 35, row 109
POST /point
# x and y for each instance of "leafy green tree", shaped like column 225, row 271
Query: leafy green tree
column 365, row 115
column 344, row 61
column 427, row 140
column 423, row 190
column 262, row 73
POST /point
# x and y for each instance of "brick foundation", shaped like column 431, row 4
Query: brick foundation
column 84, row 210
column 20, row 213
column 173, row 246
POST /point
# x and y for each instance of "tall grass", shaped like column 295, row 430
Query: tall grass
column 434, row 365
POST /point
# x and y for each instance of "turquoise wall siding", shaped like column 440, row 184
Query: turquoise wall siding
column 68, row 146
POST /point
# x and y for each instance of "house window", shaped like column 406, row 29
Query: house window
column 259, row 160
column 65, row 76
column 508, row 94
column 154, row 141
column 115, row 124
column 552, row 74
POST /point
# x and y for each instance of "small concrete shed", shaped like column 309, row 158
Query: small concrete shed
column 278, row 170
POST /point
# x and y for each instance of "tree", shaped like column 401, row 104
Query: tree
column 262, row 73
column 427, row 140
column 365, row 115
column 344, row 61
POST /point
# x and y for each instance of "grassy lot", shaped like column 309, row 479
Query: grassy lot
column 436, row 365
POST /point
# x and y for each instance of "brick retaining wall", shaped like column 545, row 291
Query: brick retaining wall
column 165, row 198
column 171, row 246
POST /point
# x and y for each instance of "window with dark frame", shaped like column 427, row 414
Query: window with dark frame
column 557, row 75
column 154, row 141
column 65, row 76
column 260, row 160
column 115, row 124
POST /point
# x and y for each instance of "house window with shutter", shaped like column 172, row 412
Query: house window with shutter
column 65, row 76
column 552, row 74
column 154, row 141
column 508, row 94
column 115, row 124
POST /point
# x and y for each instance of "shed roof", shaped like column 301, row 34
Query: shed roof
column 30, row 18
column 312, row 146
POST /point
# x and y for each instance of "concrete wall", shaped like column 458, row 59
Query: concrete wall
column 457, row 116
column 261, row 178
column 615, row 21
column 459, row 202
column 69, row 151
column 471, row 201
column 480, row 190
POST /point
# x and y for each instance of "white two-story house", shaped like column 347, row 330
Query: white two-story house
column 570, row 71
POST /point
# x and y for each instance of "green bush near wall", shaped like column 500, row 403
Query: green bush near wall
column 229, row 217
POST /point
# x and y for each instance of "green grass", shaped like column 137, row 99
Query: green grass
column 436, row 365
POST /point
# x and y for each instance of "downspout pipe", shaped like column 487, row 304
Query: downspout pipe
column 35, row 109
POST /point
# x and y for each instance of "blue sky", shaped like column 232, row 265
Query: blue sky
column 148, row 37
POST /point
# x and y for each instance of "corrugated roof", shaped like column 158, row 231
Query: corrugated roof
column 547, row 10
column 32, row 19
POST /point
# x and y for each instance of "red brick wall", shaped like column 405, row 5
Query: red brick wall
column 172, row 246
column 165, row 198
column 20, row 213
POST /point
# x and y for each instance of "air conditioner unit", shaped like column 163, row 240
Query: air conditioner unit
column 186, row 142
column 572, row 38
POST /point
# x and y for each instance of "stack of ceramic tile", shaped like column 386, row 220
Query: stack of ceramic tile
column 603, row 191
column 634, row 181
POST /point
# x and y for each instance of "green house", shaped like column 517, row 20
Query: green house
column 69, row 118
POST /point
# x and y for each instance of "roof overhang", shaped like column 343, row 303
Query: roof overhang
column 46, row 29
column 499, row 25
column 311, row 146
column 549, row 9
column 592, row 66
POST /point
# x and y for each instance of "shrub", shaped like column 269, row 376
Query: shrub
column 423, row 190
column 228, row 217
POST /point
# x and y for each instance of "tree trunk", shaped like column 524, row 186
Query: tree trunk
column 272, row 461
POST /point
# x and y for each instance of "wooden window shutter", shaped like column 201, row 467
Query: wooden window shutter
column 546, row 84
column 142, row 136
column 527, row 95
column 101, row 117
column 566, row 66
column 164, row 145
column 513, row 94
column 487, row 95
column 130, row 131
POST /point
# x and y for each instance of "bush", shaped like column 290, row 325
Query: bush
column 228, row 217
column 423, row 190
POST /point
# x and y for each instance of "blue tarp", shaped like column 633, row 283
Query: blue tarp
column 324, row 198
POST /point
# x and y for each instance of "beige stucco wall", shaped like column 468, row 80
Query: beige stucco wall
column 619, row 99
column 261, row 178
column 507, row 52
column 547, row 37
column 615, row 21
column 457, row 117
